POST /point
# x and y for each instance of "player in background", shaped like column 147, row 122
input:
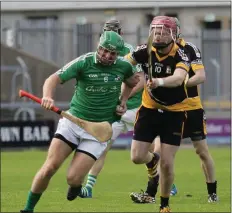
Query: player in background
column 127, row 120
column 97, row 98
column 164, row 102
column 195, row 127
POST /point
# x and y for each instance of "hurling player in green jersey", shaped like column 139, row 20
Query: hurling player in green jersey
column 127, row 120
column 97, row 98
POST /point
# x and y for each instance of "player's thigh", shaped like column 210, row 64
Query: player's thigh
column 172, row 127
column 146, row 126
column 145, row 131
column 155, row 146
column 57, row 153
column 88, row 151
column 167, row 153
column 195, row 125
column 62, row 144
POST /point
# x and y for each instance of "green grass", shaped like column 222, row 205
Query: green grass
column 119, row 177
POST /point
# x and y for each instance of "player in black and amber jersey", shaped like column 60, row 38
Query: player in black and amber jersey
column 163, row 104
column 195, row 127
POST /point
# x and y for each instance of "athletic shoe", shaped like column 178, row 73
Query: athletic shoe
column 173, row 190
column 212, row 198
column 165, row 209
column 142, row 197
column 86, row 192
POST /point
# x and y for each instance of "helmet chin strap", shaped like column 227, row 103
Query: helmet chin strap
column 160, row 46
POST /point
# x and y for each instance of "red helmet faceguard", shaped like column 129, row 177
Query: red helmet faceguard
column 165, row 31
column 105, row 56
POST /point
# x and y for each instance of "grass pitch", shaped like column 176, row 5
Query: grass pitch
column 119, row 177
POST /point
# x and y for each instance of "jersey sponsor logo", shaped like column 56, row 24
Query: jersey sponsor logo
column 100, row 89
column 159, row 64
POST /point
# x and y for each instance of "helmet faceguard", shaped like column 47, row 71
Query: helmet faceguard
column 105, row 56
column 165, row 31
column 113, row 25
column 110, row 44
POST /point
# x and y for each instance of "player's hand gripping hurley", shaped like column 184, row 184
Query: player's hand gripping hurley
column 102, row 131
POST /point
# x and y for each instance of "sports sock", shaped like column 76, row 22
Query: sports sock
column 152, row 166
column 164, row 202
column 152, row 186
column 212, row 187
column 32, row 200
column 91, row 180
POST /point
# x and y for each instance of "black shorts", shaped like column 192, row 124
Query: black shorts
column 151, row 123
column 195, row 125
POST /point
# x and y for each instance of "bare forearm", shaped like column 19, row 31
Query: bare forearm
column 50, row 86
column 125, row 93
column 135, row 90
column 139, row 86
column 172, row 81
column 195, row 80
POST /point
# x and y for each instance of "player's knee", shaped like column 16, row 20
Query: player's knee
column 202, row 151
column 49, row 170
column 73, row 179
column 166, row 166
column 136, row 158
column 203, row 154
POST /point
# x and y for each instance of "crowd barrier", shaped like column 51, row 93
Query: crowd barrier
column 39, row 133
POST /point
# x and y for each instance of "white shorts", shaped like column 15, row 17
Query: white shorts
column 126, row 124
column 79, row 139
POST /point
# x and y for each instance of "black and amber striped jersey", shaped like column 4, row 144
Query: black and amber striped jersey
column 196, row 65
column 163, row 66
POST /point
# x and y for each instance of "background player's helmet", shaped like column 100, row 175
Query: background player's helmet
column 112, row 25
column 110, row 44
column 165, row 31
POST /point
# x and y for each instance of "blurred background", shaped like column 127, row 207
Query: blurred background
column 37, row 38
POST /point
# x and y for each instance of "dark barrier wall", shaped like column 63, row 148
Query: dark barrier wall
column 26, row 134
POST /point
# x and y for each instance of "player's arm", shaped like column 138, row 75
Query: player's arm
column 129, row 84
column 175, row 80
column 197, row 67
column 130, row 81
column 69, row 71
column 179, row 75
column 50, row 84
column 139, row 86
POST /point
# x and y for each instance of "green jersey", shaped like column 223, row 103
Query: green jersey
column 134, row 101
column 98, row 87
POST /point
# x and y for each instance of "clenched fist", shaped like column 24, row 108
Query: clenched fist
column 47, row 102
column 121, row 109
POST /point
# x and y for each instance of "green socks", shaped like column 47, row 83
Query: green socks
column 32, row 200
column 91, row 181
